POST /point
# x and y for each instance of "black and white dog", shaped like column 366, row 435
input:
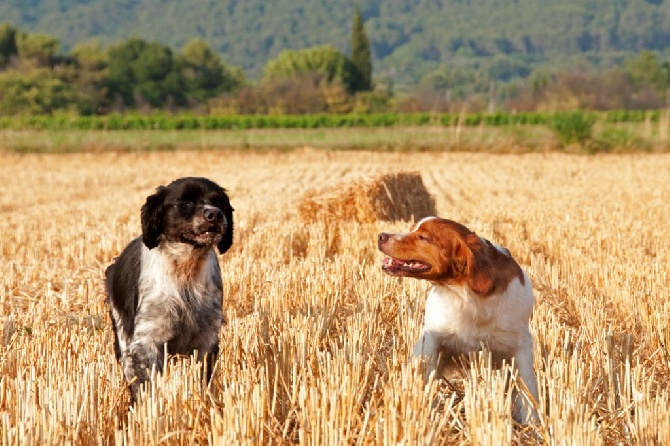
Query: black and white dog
column 165, row 288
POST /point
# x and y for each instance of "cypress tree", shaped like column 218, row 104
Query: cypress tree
column 7, row 43
column 360, row 54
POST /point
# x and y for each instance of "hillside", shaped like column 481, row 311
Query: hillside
column 409, row 37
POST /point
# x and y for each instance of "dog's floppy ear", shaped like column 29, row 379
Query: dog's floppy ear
column 152, row 217
column 227, row 239
column 479, row 272
column 480, row 281
column 460, row 259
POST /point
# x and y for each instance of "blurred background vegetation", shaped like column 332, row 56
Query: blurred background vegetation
column 90, row 57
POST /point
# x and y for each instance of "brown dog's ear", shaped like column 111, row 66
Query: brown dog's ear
column 481, row 281
column 479, row 272
column 152, row 217
column 460, row 259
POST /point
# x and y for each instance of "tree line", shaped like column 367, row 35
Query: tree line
column 135, row 74
column 409, row 38
column 36, row 78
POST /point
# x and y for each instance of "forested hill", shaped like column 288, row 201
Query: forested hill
column 409, row 37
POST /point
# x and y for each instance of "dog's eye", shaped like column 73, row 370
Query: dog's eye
column 424, row 238
column 186, row 205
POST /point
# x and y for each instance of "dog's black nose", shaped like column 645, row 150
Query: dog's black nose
column 214, row 215
column 383, row 237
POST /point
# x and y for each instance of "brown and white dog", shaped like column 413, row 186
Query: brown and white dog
column 480, row 300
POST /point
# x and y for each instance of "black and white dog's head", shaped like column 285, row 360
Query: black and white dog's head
column 189, row 210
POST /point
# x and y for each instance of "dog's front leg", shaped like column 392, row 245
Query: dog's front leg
column 426, row 349
column 524, row 409
column 138, row 361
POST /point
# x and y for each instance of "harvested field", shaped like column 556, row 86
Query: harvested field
column 317, row 342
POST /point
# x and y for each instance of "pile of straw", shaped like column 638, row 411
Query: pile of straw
column 390, row 197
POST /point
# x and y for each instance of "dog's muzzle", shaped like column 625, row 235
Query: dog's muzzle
column 214, row 217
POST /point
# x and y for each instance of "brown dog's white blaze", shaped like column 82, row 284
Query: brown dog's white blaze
column 447, row 253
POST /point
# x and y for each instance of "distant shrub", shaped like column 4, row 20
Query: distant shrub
column 573, row 127
column 619, row 139
column 615, row 116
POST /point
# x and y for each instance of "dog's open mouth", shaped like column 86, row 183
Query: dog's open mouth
column 211, row 237
column 395, row 266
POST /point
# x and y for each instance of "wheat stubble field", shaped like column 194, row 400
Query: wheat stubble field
column 316, row 345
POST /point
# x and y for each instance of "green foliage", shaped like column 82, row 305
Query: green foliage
column 7, row 43
column 121, row 75
column 39, row 48
column 34, row 91
column 615, row 116
column 130, row 121
column 204, row 69
column 360, row 54
column 87, row 73
column 90, row 56
column 145, row 76
column 456, row 83
column 151, row 74
column 573, row 127
column 505, row 68
column 645, row 69
column 408, row 38
column 139, row 72
column 620, row 139
column 327, row 63
column 371, row 102
column 205, row 74
column 93, row 80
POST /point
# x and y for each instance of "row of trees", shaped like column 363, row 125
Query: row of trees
column 36, row 78
column 409, row 38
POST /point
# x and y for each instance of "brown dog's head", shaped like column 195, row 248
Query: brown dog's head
column 446, row 252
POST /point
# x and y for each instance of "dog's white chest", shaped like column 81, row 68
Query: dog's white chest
column 465, row 322
column 187, row 315
column 455, row 313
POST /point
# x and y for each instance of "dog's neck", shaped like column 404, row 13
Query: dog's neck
column 186, row 260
